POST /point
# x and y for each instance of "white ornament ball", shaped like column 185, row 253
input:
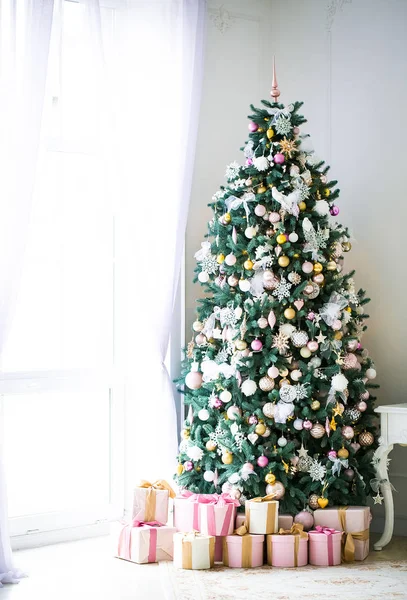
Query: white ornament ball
column 203, row 277
column 269, row 409
column 230, row 260
column 203, row 414
column 371, row 373
column 296, row 375
column 293, row 237
column 233, row 280
column 234, row 478
column 339, row 382
column 336, row 325
column 262, row 322
column 266, row 384
column 250, row 232
column 225, row 396
column 287, row 329
column 209, row 476
column 299, row 338
column 282, row 441
column 321, row 208
column 193, row 380
column 197, row 326
column 244, row 285
column 273, row 372
column 238, row 311
column 267, row 433
column 233, row 412
column 249, row 387
column 227, row 487
column 260, row 210
column 298, row 424
column 305, row 352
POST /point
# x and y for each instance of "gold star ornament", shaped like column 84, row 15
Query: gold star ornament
column 288, row 147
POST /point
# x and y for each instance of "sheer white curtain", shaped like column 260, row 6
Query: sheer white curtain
column 25, row 30
column 153, row 73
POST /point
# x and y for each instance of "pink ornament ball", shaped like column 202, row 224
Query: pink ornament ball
column 349, row 474
column 348, row 432
column 365, row 396
column 253, row 126
column 256, row 345
column 274, row 217
column 334, row 210
column 296, row 130
column 253, row 420
column 311, row 316
column 307, row 267
column 200, row 339
column 350, row 361
column 248, row 467
column 332, row 454
column 193, row 380
column 306, row 519
column 273, row 372
column 262, row 461
column 313, row 346
column 215, row 402
column 188, row 465
column 336, row 325
column 307, row 424
column 359, row 346
column 249, row 162
column 279, row 158
column 260, row 210
column 361, row 405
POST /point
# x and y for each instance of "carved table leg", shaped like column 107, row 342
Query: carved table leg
column 382, row 473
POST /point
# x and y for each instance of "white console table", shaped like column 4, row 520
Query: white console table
column 393, row 425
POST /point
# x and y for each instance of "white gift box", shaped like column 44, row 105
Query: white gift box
column 194, row 551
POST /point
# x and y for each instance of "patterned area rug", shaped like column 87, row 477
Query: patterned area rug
column 370, row 580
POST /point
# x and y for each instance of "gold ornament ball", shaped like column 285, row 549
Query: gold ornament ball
column 331, row 265
column 266, row 384
column 277, row 489
column 248, row 265
column 283, row 372
column 180, row 469
column 366, row 438
column 210, row 446
column 220, row 259
column 289, row 313
column 261, row 189
column 227, row 458
column 283, row 261
column 260, row 130
column 284, row 381
column 270, row 133
column 281, row 239
column 343, row 453
column 185, row 434
column 244, row 252
column 315, row 405
column 227, row 217
column 317, row 431
column 346, row 246
column 313, row 501
column 240, row 344
column 327, row 192
column 338, row 335
column 260, row 428
column 270, row 478
column 318, row 267
column 302, row 206
column 197, row 468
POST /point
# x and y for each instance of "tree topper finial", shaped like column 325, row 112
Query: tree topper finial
column 275, row 92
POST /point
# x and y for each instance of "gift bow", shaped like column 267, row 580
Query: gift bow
column 242, row 530
column 326, row 530
column 137, row 523
column 296, row 529
column 263, row 498
column 233, row 202
column 331, row 310
column 217, row 499
column 160, row 484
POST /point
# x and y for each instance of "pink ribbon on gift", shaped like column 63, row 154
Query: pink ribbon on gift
column 124, row 549
column 221, row 500
column 328, row 531
column 197, row 499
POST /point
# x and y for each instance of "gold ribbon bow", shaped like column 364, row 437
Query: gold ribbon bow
column 243, row 531
column 297, row 530
column 160, row 484
column 348, row 544
column 263, row 498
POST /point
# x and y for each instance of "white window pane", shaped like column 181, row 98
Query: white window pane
column 56, row 451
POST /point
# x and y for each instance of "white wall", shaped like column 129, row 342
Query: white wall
column 347, row 60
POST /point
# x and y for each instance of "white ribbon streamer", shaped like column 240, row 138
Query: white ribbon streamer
column 330, row 311
column 233, row 202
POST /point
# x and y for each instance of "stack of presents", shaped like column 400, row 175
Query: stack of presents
column 207, row 529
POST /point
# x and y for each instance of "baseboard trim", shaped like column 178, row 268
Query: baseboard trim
column 71, row 534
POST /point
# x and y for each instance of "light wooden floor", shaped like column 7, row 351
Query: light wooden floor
column 87, row 570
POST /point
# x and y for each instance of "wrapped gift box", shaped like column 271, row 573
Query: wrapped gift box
column 289, row 548
column 194, row 551
column 243, row 551
column 325, row 546
column 150, row 501
column 354, row 521
column 218, row 516
column 262, row 515
column 186, row 510
column 284, row 521
column 142, row 543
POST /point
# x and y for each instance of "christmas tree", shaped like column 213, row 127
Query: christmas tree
column 276, row 377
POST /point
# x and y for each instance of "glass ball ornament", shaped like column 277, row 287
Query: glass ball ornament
column 282, row 441
column 313, row 501
column 227, row 458
column 200, row 339
column 346, row 246
column 299, row 338
column 273, row 372
column 193, row 380
column 307, row 267
column 361, row 405
column 318, row 278
column 371, row 373
column 209, row 476
column 348, row 432
column 279, row 158
column 349, row 474
column 226, row 488
column 317, row 268
column 210, row 446
column 266, row 433
column 248, row 264
column 270, row 478
column 230, row 260
column 283, row 261
column 240, row 344
column 332, row 454
column 262, row 322
column 296, row 375
column 350, row 361
column 197, row 326
column 252, row 126
column 307, row 424
column 248, row 467
column 260, row 429
column 260, row 210
column 352, row 415
column 203, row 277
column 298, row 424
column 281, row 238
column 266, row 384
column 277, row 489
column 343, row 453
column 289, row 313
column 233, row 412
column 188, row 465
column 305, row 352
column 305, row 519
column 269, row 410
column 256, row 345
column 233, row 281
column 250, row 232
column 225, row 396
column 249, row 387
column 312, row 345
column 317, row 431
column 331, row 265
column 293, row 237
column 366, row 438
column 244, row 285
column 203, row 414
column 252, row 420
column 315, row 405
column 274, row 217
column 262, row 461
